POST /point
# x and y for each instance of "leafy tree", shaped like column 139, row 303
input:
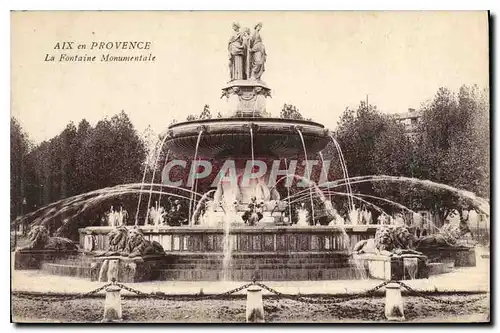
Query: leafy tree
column 453, row 147
column 290, row 111
column 205, row 114
column 20, row 147
column 368, row 139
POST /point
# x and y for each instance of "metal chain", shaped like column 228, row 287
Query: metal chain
column 200, row 297
column 435, row 299
column 332, row 300
column 194, row 297
column 54, row 298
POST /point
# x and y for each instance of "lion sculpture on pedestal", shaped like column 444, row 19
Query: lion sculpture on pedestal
column 389, row 240
column 137, row 245
column 118, row 241
column 130, row 243
column 39, row 239
column 447, row 237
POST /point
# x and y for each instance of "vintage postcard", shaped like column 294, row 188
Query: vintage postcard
column 250, row 167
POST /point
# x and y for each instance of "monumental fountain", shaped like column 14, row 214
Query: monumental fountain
column 244, row 227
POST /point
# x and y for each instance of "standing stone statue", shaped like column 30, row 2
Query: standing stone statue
column 236, row 54
column 258, row 54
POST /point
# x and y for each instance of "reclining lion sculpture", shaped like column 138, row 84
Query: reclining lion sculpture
column 118, row 241
column 130, row 243
column 138, row 245
column 39, row 239
column 446, row 237
column 389, row 240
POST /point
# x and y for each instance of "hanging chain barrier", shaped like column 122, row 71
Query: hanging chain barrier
column 62, row 298
column 417, row 293
column 193, row 297
column 330, row 299
column 320, row 299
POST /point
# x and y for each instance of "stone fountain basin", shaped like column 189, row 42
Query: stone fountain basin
column 230, row 137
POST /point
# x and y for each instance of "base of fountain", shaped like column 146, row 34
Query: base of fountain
column 272, row 252
column 461, row 256
column 262, row 266
column 130, row 270
column 34, row 259
column 393, row 267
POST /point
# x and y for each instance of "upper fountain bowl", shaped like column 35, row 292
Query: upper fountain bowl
column 230, row 137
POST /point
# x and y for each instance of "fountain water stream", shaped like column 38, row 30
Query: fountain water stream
column 154, row 173
column 194, row 172
column 142, row 185
column 344, row 172
column 307, row 172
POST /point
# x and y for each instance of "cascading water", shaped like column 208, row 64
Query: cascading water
column 76, row 205
column 142, row 186
column 324, row 171
column 288, row 195
column 192, row 175
column 479, row 203
column 307, row 171
column 344, row 172
column 164, row 165
column 154, row 173
column 302, row 217
column 229, row 215
column 199, row 208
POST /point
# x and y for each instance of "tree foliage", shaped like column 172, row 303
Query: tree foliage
column 20, row 147
column 453, row 146
column 368, row 139
column 78, row 160
column 450, row 146
column 290, row 111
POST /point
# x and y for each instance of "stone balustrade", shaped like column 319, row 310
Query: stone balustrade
column 245, row 239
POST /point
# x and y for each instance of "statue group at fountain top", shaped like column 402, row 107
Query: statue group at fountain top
column 247, row 54
column 116, row 218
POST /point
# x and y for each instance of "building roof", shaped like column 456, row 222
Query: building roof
column 411, row 114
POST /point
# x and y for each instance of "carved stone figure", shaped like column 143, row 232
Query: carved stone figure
column 258, row 54
column 137, row 245
column 117, row 240
column 389, row 241
column 448, row 236
column 253, row 214
column 39, row 239
column 237, row 52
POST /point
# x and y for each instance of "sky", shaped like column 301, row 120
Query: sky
column 322, row 62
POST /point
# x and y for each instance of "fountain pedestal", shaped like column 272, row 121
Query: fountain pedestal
column 33, row 259
column 461, row 256
column 136, row 269
column 249, row 97
column 396, row 267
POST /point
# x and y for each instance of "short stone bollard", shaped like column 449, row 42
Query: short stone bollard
column 255, row 307
column 112, row 304
column 394, row 302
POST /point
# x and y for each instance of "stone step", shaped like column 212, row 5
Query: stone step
column 348, row 273
column 66, row 270
column 238, row 265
